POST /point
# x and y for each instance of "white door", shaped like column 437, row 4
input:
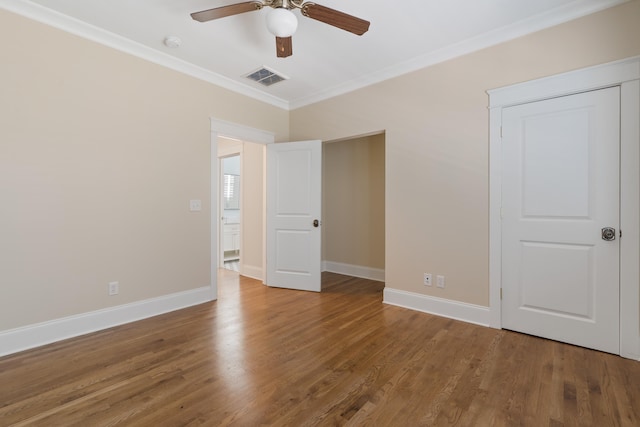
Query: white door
column 294, row 179
column 560, row 188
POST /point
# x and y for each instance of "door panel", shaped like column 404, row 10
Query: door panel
column 560, row 187
column 293, row 203
column 555, row 165
column 293, row 251
column 544, row 265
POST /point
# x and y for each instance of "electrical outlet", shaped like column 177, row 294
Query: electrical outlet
column 440, row 283
column 427, row 279
column 195, row 205
column 114, row 288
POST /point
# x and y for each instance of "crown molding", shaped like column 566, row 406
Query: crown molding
column 568, row 12
column 90, row 32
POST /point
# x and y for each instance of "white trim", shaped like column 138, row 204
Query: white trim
column 253, row 271
column 568, row 12
column 586, row 79
column 19, row 339
column 354, row 270
column 495, row 221
column 214, row 220
column 626, row 74
column 87, row 31
column 242, row 132
column 630, row 220
column 264, row 214
column 469, row 313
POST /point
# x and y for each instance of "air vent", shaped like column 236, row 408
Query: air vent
column 266, row 77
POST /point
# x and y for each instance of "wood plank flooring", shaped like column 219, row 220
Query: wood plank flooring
column 266, row 356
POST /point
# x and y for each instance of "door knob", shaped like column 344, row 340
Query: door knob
column 608, row 233
column 316, row 223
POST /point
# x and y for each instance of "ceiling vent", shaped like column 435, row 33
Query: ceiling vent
column 266, row 77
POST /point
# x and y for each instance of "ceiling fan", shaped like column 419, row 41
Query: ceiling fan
column 282, row 23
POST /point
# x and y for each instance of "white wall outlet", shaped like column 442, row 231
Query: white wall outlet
column 195, row 205
column 440, row 281
column 427, row 279
column 114, row 288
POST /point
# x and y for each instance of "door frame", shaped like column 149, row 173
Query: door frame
column 626, row 74
column 245, row 134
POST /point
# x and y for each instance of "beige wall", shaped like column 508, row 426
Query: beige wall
column 436, row 123
column 101, row 152
column 353, row 202
column 253, row 158
column 99, row 156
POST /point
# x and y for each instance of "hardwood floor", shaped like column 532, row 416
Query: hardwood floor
column 266, row 356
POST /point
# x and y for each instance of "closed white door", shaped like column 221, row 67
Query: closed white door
column 560, row 278
column 294, row 180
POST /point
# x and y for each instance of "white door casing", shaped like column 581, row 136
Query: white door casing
column 626, row 75
column 294, row 179
column 560, row 168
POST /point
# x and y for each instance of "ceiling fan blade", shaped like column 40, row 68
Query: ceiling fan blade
column 221, row 12
column 336, row 18
column 284, row 47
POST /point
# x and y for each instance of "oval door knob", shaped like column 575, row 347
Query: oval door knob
column 316, row 223
column 608, row 233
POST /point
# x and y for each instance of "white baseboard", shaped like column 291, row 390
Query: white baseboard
column 630, row 355
column 439, row 306
column 26, row 337
column 354, row 270
column 252, row 271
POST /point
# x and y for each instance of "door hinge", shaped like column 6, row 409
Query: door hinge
column 620, row 233
column 500, row 131
column 500, row 293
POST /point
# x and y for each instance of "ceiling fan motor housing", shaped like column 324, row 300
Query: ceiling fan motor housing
column 286, row 4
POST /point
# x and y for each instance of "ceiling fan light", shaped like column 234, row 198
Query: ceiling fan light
column 281, row 22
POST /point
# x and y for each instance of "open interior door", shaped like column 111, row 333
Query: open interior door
column 294, row 205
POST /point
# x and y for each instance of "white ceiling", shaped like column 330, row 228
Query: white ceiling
column 404, row 36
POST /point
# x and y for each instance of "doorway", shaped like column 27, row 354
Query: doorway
column 353, row 187
column 623, row 76
column 240, row 197
column 231, row 212
column 259, row 139
column 252, row 263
